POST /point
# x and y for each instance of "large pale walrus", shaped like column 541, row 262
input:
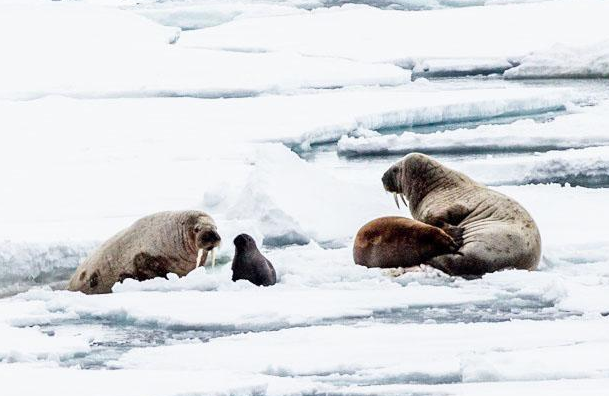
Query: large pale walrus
column 162, row 243
column 392, row 242
column 498, row 233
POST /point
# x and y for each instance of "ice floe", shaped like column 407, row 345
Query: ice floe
column 134, row 59
column 583, row 167
column 561, row 61
column 580, row 130
column 428, row 353
column 479, row 36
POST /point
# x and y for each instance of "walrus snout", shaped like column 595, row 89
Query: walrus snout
column 209, row 239
column 389, row 179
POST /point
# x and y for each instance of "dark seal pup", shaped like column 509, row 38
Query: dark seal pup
column 393, row 242
column 250, row 264
column 498, row 233
column 153, row 246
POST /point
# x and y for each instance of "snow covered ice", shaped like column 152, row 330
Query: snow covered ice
column 278, row 117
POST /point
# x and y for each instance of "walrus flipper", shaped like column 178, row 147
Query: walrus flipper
column 448, row 220
column 451, row 216
column 148, row 267
column 455, row 232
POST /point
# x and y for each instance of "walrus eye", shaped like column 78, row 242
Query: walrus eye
column 197, row 229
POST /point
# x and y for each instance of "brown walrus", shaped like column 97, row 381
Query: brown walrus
column 392, row 242
column 497, row 231
column 153, row 246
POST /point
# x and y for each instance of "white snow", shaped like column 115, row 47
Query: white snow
column 30, row 345
column 134, row 59
column 199, row 14
column 586, row 128
column 561, row 61
column 107, row 136
column 482, row 35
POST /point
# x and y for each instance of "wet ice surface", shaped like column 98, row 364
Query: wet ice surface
column 253, row 139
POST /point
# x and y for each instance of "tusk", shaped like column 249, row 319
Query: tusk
column 199, row 257
column 404, row 200
column 395, row 198
column 213, row 257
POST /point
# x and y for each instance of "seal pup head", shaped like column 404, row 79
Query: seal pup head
column 244, row 241
column 416, row 175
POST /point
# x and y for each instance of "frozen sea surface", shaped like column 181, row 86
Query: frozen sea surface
column 267, row 115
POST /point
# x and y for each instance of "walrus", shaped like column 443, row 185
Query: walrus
column 153, row 246
column 250, row 264
column 393, row 242
column 498, row 233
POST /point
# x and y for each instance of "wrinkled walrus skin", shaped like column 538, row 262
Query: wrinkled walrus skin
column 250, row 264
column 162, row 243
column 394, row 242
column 498, row 233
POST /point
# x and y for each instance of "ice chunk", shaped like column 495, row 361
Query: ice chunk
column 568, row 131
column 561, row 61
column 24, row 264
column 31, row 345
column 583, row 167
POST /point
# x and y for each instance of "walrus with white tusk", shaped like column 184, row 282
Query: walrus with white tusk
column 497, row 232
column 394, row 242
column 153, row 246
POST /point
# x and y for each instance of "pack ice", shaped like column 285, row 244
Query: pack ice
column 279, row 118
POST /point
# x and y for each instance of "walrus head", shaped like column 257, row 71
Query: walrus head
column 206, row 235
column 415, row 176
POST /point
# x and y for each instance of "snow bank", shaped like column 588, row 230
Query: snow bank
column 292, row 202
column 561, row 61
column 24, row 264
column 479, row 36
column 585, row 129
